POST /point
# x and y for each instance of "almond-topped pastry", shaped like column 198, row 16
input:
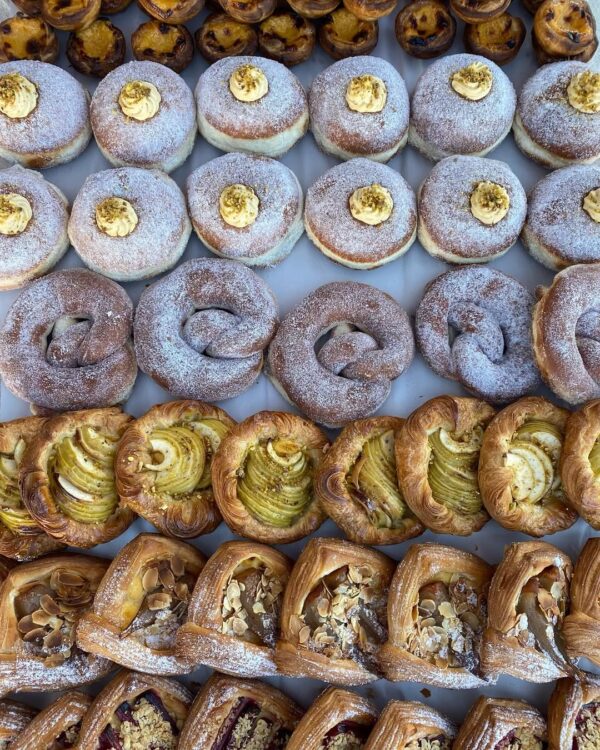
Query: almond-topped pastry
column 574, row 715
column 140, row 604
column 527, row 603
column 42, row 602
column 97, row 49
column 172, row 11
column 502, row 724
column 333, row 621
column 166, row 43
column 56, row 726
column 222, row 36
column 14, row 718
column 70, row 15
column 581, row 626
column 580, row 462
column 27, row 38
column 411, row 725
column 342, row 34
column 437, row 611
column 564, row 30
column 286, row 37
column 236, row 713
column 67, row 477
column 264, row 477
column 425, row 28
column 498, row 39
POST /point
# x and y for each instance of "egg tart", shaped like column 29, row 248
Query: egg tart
column 527, row 602
column 564, row 29
column 168, row 44
column 14, row 717
column 574, row 715
column 437, row 455
column 222, row 36
column 357, row 484
column 263, row 477
column 333, row 619
column 411, row 725
column 29, row 7
column 235, row 713
column 437, row 610
column 68, row 479
column 581, row 627
column 136, row 711
column 56, row 727
column 41, row 604
column 110, row 7
column 519, row 468
column 370, row 10
column 249, row 11
column 476, row 11
column 313, row 8
column 234, row 613
column 69, row 15
column 498, row 39
column 97, row 49
column 342, row 34
column 141, row 603
column 286, row 37
column 425, row 29
column 580, row 462
column 172, row 11
column 20, row 536
column 502, row 724
column 337, row 719
column 27, row 38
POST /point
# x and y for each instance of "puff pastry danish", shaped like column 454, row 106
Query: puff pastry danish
column 264, row 475
column 333, row 619
column 437, row 611
column 163, row 466
column 580, row 462
column 581, row 627
column 500, row 724
column 357, row 484
column 233, row 713
column 41, row 603
column 411, row 725
column 519, row 474
column 57, row 726
column 20, row 536
column 527, row 601
column 234, row 613
column 14, row 717
column 437, row 455
column 140, row 604
column 574, row 715
column 68, row 479
column 136, row 710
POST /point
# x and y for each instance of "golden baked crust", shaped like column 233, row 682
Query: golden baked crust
column 342, row 34
column 519, row 468
column 358, row 487
column 492, row 720
column 526, row 606
column 437, row 585
column 249, row 11
column 370, row 10
column 223, row 630
column 286, row 37
column 27, row 38
column 573, row 714
column 172, row 11
column 582, row 435
column 69, row 15
column 192, row 431
column 150, row 574
column 310, row 645
column 89, row 438
column 166, row 43
column 222, row 36
column 476, row 11
column 313, row 8
column 286, row 447
column 61, row 718
column 404, row 722
column 97, row 49
column 220, row 707
column 581, row 627
column 456, row 425
column 499, row 39
column 425, row 28
column 563, row 30
column 14, row 717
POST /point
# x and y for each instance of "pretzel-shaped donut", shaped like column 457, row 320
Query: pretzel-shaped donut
column 200, row 332
column 66, row 342
column 474, row 325
column 371, row 343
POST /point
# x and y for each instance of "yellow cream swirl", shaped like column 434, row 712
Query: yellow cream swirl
column 489, row 202
column 371, row 205
column 116, row 217
column 238, row 205
column 248, row 83
column 366, row 93
column 583, row 92
column 591, row 204
column 473, row 82
column 15, row 213
column 139, row 100
column 18, row 96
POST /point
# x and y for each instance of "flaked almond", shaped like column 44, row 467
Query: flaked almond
column 177, row 566
column 167, row 578
column 26, row 624
column 150, row 579
column 39, row 617
column 158, row 601
column 238, row 625
column 53, row 640
column 304, row 634
column 48, row 604
column 33, row 635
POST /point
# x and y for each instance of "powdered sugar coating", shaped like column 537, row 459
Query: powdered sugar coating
column 157, row 241
column 453, row 124
column 351, row 375
column 328, row 217
column 474, row 325
column 90, row 364
column 445, row 208
column 550, row 121
column 148, row 143
column 25, row 256
column 280, row 203
column 200, row 332
column 360, row 133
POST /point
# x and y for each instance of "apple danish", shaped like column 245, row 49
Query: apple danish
column 231, row 713
column 411, row 725
column 580, row 462
column 68, row 478
column 41, row 603
column 333, row 619
column 57, row 726
column 234, row 613
column 357, row 484
column 437, row 611
column 502, row 724
column 264, row 477
column 163, row 466
column 136, row 711
column 519, row 468
column 574, row 715
column 14, row 717
column 581, row 627
column 527, row 601
column 140, row 604
column 437, row 455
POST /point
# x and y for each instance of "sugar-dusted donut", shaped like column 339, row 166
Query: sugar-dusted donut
column 200, row 332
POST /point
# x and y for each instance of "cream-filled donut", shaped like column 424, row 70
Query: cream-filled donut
column 143, row 115
column 359, row 107
column 361, row 214
column 471, row 210
column 462, row 104
column 129, row 223
column 251, row 104
column 246, row 207
column 33, row 226
column 44, row 114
